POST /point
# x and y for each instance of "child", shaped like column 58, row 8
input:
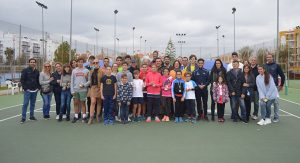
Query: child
column 108, row 90
column 153, row 83
column 190, row 97
column 137, row 95
column 220, row 96
column 143, row 74
column 178, row 95
column 65, row 82
column 124, row 96
column 79, row 85
column 166, row 94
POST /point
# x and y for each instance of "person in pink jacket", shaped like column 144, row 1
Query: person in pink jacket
column 166, row 94
column 153, row 84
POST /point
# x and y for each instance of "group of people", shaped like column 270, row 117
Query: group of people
column 157, row 90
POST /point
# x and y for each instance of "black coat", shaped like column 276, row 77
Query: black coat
column 30, row 79
column 251, row 81
column 235, row 83
column 56, row 86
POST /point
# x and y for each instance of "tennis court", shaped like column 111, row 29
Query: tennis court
column 46, row 141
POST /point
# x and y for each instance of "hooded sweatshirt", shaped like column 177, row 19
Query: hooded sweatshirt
column 79, row 76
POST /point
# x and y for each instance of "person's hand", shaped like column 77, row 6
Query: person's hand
column 246, row 85
column 114, row 97
column 153, row 85
column 174, row 100
column 128, row 103
column 243, row 96
column 233, row 93
column 182, row 99
column 51, row 79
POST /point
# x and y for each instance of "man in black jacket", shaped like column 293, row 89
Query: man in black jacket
column 275, row 70
column 235, row 80
column 201, row 78
column 31, row 85
column 254, row 70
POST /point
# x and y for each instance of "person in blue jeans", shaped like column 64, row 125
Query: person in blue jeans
column 124, row 96
column 30, row 84
column 65, row 82
column 235, row 80
column 46, row 90
column 108, row 90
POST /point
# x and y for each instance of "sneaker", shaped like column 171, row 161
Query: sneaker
column 57, row 117
column 245, row 121
column 176, row 120
column 206, row 118
column 219, row 120
column 157, row 119
column 46, row 117
column 254, row 117
column 163, row 119
column 275, row 120
column 106, row 122
column 117, row 119
column 261, row 122
column 111, row 122
column 188, row 119
column 85, row 120
column 22, row 120
column 79, row 115
column 193, row 120
column 167, row 119
column 90, row 121
column 68, row 118
column 64, row 116
column 74, row 120
column 148, row 119
column 32, row 119
column 198, row 118
column 180, row 119
column 268, row 121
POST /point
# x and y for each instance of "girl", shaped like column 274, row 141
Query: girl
column 153, row 84
column 143, row 74
column 248, row 89
column 166, row 94
column 217, row 70
column 46, row 91
column 220, row 96
column 66, row 97
column 137, row 97
column 267, row 94
column 94, row 91
column 178, row 95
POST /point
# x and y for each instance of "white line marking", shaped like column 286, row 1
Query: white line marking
column 5, row 119
column 15, row 106
column 289, row 101
column 290, row 113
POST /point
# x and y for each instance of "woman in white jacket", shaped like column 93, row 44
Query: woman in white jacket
column 267, row 94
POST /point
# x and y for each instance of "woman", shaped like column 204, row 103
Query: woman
column 267, row 94
column 73, row 64
column 114, row 69
column 176, row 66
column 46, row 90
column 248, row 89
column 217, row 70
column 94, row 92
column 66, row 96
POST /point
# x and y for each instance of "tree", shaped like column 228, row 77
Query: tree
column 245, row 53
column 61, row 54
column 261, row 55
column 171, row 51
column 21, row 60
column 9, row 54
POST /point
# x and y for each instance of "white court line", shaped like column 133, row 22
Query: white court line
column 289, row 101
column 15, row 106
column 5, row 119
column 287, row 111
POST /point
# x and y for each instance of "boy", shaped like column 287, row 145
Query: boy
column 137, row 99
column 178, row 95
column 124, row 97
column 108, row 89
column 190, row 97
column 79, row 85
column 125, row 71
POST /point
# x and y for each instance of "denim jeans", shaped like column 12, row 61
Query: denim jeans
column 28, row 96
column 234, row 101
column 108, row 104
column 57, row 97
column 256, row 103
column 265, row 108
column 65, row 102
column 124, row 112
column 46, row 103
column 276, row 108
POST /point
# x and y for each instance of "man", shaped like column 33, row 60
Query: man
column 57, row 89
column 159, row 65
column 201, row 78
column 254, row 70
column 79, row 85
column 155, row 55
column 30, row 84
column 235, row 80
column 275, row 70
column 167, row 64
column 119, row 61
column 89, row 67
column 184, row 63
column 133, row 66
column 234, row 57
column 106, row 64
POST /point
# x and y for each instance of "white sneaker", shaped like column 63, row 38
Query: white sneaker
column 254, row 117
column 268, row 121
column 57, row 117
column 261, row 122
column 64, row 116
column 117, row 119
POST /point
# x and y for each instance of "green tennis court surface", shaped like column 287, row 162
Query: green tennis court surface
column 49, row 141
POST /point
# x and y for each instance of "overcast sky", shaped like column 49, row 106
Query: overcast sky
column 158, row 20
